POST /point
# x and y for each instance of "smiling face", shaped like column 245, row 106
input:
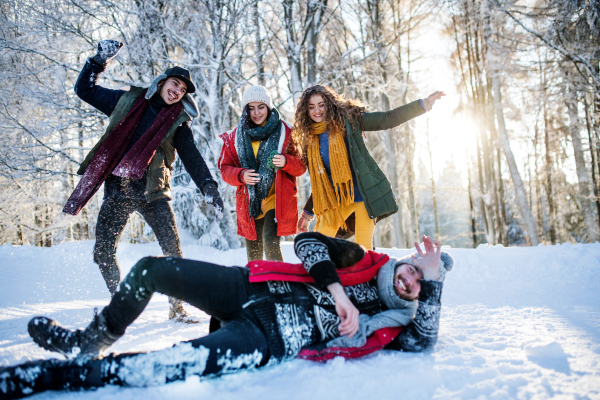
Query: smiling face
column 316, row 108
column 172, row 90
column 258, row 112
column 406, row 282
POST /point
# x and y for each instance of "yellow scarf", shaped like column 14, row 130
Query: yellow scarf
column 328, row 200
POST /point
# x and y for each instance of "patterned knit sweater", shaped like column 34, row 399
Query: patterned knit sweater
column 295, row 315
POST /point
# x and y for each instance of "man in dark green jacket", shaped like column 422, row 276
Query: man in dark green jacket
column 149, row 193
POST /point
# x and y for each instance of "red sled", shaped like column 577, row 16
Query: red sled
column 377, row 341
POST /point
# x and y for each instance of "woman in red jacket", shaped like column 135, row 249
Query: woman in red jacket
column 261, row 160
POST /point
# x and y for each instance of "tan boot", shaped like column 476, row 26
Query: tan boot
column 178, row 314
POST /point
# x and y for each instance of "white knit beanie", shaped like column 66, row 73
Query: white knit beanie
column 257, row 93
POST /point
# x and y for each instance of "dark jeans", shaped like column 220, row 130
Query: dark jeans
column 112, row 219
column 266, row 239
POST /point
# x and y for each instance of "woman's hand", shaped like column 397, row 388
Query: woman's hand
column 303, row 222
column 430, row 100
column 347, row 312
column 279, row 161
column 250, row 177
column 428, row 262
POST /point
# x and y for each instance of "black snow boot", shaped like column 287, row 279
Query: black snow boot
column 48, row 334
column 38, row 376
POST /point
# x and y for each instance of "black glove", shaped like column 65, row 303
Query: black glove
column 212, row 196
column 107, row 49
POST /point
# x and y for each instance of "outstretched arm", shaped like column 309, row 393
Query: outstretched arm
column 196, row 166
column 191, row 158
column 380, row 121
column 86, row 87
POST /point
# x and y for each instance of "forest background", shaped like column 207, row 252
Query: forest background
column 510, row 156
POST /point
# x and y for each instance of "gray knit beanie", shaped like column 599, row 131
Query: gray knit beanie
column 257, row 93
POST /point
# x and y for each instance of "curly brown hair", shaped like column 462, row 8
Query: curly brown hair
column 336, row 108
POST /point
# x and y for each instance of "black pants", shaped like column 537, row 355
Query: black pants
column 266, row 239
column 218, row 291
column 112, row 219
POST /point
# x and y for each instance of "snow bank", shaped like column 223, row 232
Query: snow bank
column 516, row 323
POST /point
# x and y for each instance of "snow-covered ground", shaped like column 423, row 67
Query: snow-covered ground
column 517, row 323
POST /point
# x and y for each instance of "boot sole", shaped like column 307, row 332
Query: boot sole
column 33, row 327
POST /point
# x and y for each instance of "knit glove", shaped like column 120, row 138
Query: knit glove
column 270, row 164
column 212, row 196
column 107, row 49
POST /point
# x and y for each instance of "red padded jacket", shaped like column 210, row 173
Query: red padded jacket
column 286, row 191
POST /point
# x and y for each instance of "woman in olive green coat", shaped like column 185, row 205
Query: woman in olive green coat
column 344, row 177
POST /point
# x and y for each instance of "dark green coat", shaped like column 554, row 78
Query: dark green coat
column 158, row 173
column 376, row 190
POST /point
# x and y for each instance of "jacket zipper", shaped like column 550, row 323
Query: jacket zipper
column 282, row 151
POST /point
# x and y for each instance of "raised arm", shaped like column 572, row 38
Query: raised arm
column 86, row 87
column 422, row 333
column 380, row 121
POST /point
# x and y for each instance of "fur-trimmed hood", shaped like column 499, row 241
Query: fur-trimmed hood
column 385, row 280
column 189, row 105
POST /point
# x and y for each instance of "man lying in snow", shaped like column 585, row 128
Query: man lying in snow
column 342, row 300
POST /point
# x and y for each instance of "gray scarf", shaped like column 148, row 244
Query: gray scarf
column 400, row 312
column 269, row 136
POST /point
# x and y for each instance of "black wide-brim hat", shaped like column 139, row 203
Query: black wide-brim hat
column 184, row 75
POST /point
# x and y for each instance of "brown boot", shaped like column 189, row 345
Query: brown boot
column 178, row 314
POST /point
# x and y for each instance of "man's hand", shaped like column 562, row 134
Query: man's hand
column 304, row 221
column 430, row 100
column 250, row 177
column 347, row 312
column 107, row 49
column 212, row 196
column 428, row 262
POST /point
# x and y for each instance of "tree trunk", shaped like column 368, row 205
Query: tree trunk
column 593, row 146
column 293, row 50
column 473, row 227
column 414, row 219
column 435, row 213
column 521, row 197
column 260, row 65
column 504, row 221
column 314, row 17
column 493, row 72
column 549, row 174
column 591, row 225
